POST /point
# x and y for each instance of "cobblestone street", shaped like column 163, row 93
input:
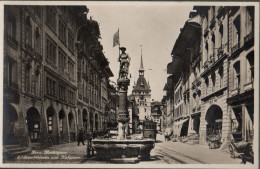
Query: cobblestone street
column 165, row 152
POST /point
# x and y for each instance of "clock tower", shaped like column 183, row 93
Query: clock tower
column 142, row 94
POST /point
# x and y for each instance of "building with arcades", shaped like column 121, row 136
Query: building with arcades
column 214, row 93
column 52, row 78
column 93, row 78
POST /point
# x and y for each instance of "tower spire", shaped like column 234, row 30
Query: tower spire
column 141, row 64
column 141, row 70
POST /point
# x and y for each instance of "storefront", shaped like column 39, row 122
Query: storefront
column 214, row 121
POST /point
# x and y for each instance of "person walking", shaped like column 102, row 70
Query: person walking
column 81, row 137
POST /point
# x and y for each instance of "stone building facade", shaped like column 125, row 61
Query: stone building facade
column 44, row 100
column 156, row 114
column 217, row 91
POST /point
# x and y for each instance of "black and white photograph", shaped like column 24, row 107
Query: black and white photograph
column 129, row 84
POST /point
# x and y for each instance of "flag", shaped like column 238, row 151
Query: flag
column 116, row 39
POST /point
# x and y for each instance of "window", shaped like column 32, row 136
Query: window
column 207, row 85
column 71, row 96
column 28, row 77
column 220, row 71
column 50, row 86
column 51, row 51
column 236, row 74
column 37, row 42
column 62, row 92
column 236, row 31
column 10, row 72
column 28, row 32
column 206, row 50
column 250, row 20
column 51, row 18
column 11, row 27
column 213, row 78
column 62, row 32
column 220, row 35
column 62, row 61
column 37, row 82
column 71, row 42
column 71, row 69
column 250, row 67
column 213, row 46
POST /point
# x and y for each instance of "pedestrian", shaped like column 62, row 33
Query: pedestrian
column 81, row 137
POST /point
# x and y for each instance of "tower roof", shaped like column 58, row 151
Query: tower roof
column 141, row 85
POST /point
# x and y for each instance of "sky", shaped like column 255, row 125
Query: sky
column 155, row 26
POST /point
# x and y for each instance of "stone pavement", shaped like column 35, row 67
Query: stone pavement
column 181, row 153
column 165, row 152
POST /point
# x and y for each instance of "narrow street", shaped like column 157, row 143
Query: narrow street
column 164, row 152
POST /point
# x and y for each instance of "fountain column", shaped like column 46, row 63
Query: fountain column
column 123, row 82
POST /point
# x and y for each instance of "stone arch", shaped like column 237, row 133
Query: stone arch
column 214, row 116
column 10, row 116
column 33, row 119
column 85, row 119
column 96, row 122
column 63, row 126
column 91, row 121
column 52, row 125
column 79, row 119
column 72, row 131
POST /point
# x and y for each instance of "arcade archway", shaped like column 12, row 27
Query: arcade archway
column 91, row 121
column 71, row 126
column 34, row 123
column 85, row 119
column 63, row 125
column 96, row 122
column 214, row 120
column 9, row 118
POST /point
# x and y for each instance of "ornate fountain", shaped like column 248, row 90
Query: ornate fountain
column 124, row 148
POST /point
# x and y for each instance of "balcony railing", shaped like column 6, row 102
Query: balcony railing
column 236, row 47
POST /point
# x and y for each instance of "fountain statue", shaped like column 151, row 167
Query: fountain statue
column 124, row 148
column 123, row 83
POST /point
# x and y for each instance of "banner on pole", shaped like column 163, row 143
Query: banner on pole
column 116, row 39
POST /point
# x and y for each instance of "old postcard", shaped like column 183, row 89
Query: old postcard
column 130, row 84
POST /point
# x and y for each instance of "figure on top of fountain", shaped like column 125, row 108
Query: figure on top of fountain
column 124, row 60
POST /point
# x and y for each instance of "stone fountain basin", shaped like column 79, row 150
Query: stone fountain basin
column 108, row 149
